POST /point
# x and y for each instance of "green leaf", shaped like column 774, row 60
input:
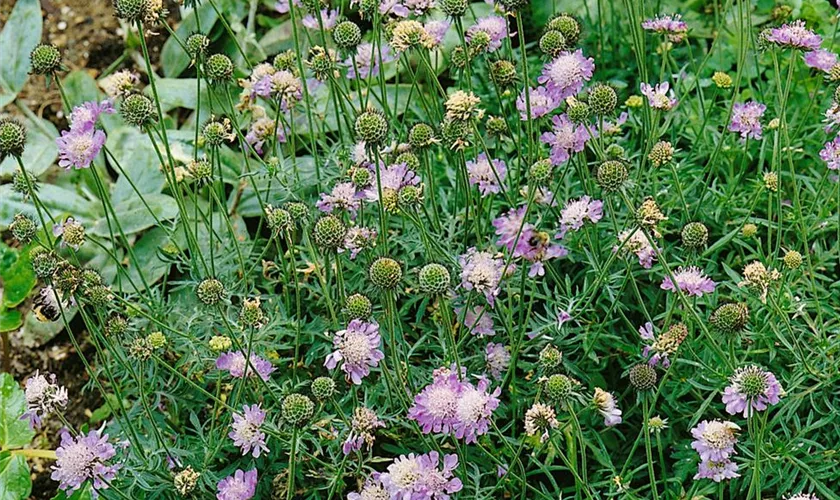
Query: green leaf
column 18, row 280
column 14, row 432
column 135, row 217
column 80, row 87
column 20, row 35
column 10, row 320
column 173, row 58
column 15, row 483
column 139, row 162
column 81, row 494
column 180, row 93
column 57, row 199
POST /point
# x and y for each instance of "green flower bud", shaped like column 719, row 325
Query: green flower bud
column 558, row 387
column 372, row 127
column 138, row 110
column 297, row 409
column 12, row 138
column 357, row 306
column 421, row 136
column 611, row 175
column 730, row 318
column 210, row 291
column 434, row 279
column 347, row 34
column 385, row 273
column 45, row 59
column 323, row 388
column 602, row 99
column 218, row 68
column 695, row 235
column 329, row 232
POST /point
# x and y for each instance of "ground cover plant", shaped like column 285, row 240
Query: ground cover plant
column 423, row 249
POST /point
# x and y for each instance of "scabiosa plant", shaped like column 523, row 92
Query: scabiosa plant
column 691, row 280
column 565, row 138
column 365, row 62
column 751, row 388
column 494, row 26
column 71, row 232
column 542, row 103
column 820, row 59
column 497, row 357
column 234, row 362
column 362, row 431
column 605, row 404
column 664, row 345
column 577, row 212
column 421, row 477
column 670, row 25
column 82, row 458
column 475, row 407
column 830, row 153
column 488, row 174
column 659, row 97
column 793, row 36
column 357, row 349
column 238, row 486
column 435, row 407
column 246, row 433
column 714, row 440
column 43, row 397
column 746, row 119
column 539, row 420
column 565, row 75
column 717, row 471
column 12, row 138
column 730, row 318
column 758, row 279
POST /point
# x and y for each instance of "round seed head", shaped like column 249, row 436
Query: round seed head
column 45, row 59
column 643, row 377
column 455, row 133
column 730, row 318
column 453, row 8
column 131, row 10
column 558, row 387
column 372, row 127
column 200, row 170
column 219, row 68
column 479, row 42
column 409, row 196
column 279, row 220
column 771, row 181
column 541, row 171
column 602, row 99
column 12, row 138
column 138, row 110
column 219, row 343
column 385, row 273
column 793, row 259
column 90, row 277
column 722, row 80
column 22, row 182
column 66, row 277
column 298, row 210
column 347, row 34
column 458, row 57
column 410, row 159
column 749, row 230
column 321, row 61
column 568, row 26
column 329, row 232
column 611, row 175
column 251, row 313
column 578, row 111
column 116, row 325
column 323, row 388
column 210, row 291
column 297, row 409
column 514, row 5
column 496, row 125
column 361, row 177
column 216, row 131
column 615, row 151
column 421, row 136
column 550, row 359
column 552, row 43
column 503, row 72
column 23, row 228
column 694, row 235
column 661, row 153
column 44, row 262
column 357, row 306
column 286, row 61
column 197, row 44
column 98, row 295
column 434, row 279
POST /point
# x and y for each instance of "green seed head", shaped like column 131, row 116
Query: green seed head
column 372, row 127
column 197, row 44
column 347, row 34
column 695, row 235
column 503, row 72
column 323, row 388
column 730, row 318
column 602, row 99
column 116, row 325
column 12, row 138
column 131, row 10
column 793, row 259
column 496, row 125
column 421, row 136
column 643, row 377
column 216, row 132
column 385, row 273
column 615, row 152
column 458, row 57
column 200, row 170
column 138, row 110
column 541, row 171
column 210, row 291
column 23, row 228
column 297, row 409
column 661, row 153
column 514, row 5
column 749, row 230
column 558, row 387
column 455, row 134
column 568, row 26
column 361, row 177
column 434, row 279
column 298, row 210
column 552, row 43
column 251, row 314
column 279, row 221
column 409, row 196
column 578, row 111
column 98, row 295
column 219, row 68
column 44, row 262
column 410, row 159
column 357, row 306
column 45, row 59
column 286, row 61
column 453, row 8
column 329, row 232
column 611, row 175
column 550, row 359
column 22, row 182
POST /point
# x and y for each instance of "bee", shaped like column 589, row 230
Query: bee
column 46, row 305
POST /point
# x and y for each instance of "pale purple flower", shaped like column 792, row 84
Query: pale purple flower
column 284, row 6
column 475, row 407
column 536, row 247
column 78, row 148
column 497, row 357
column 372, row 490
column 393, row 178
column 495, row 27
column 820, row 59
column 358, row 239
column 235, row 363
column 613, row 128
column 81, row 458
column 357, row 348
column 69, row 225
column 363, row 429
column 43, row 397
column 717, row 471
column 367, row 60
column 542, row 101
column 329, row 17
column 488, row 174
column 239, row 486
column 563, row 317
column 478, row 320
column 419, row 7
column 659, row 97
column 245, row 430
column 691, row 280
column 751, row 388
column 714, row 440
column 637, row 243
column 435, row 408
column 392, row 7
column 509, row 226
column 84, row 117
column 746, row 119
column 671, row 25
column 577, row 212
column 261, row 130
column 662, row 346
column 437, row 29
column 794, row 36
column 832, row 117
column 342, row 197
column 420, row 477
column 605, row 404
column 565, row 138
column 565, row 75
column 482, row 272
column 830, row 154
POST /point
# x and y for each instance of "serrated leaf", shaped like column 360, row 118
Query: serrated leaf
column 20, row 35
column 15, row 483
column 14, row 432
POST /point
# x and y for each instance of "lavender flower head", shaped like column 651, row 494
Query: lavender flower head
column 478, row 321
column 437, row 30
column 78, row 148
column 691, row 280
column 509, row 226
column 662, row 346
column 671, row 25
column 261, row 130
column 357, row 348
column 659, row 97
column 393, row 178
column 488, row 174
column 239, row 486
column 717, row 471
column 565, row 138
column 372, row 490
column 794, row 36
column 83, row 458
column 830, row 153
column 421, row 477
column 482, row 272
column 70, row 226
column 342, row 197
column 536, row 247
column 635, row 241
column 475, row 407
column 565, row 75
column 497, row 357
column 715, row 440
column 85, row 116
column 435, row 407
column 245, row 430
column 820, row 59
column 495, row 27
column 577, row 212
column 43, row 397
column 234, row 362
column 358, row 239
column 605, row 403
column 329, row 18
column 543, row 102
column 363, row 429
column 746, row 119
column 751, row 388
column 367, row 61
